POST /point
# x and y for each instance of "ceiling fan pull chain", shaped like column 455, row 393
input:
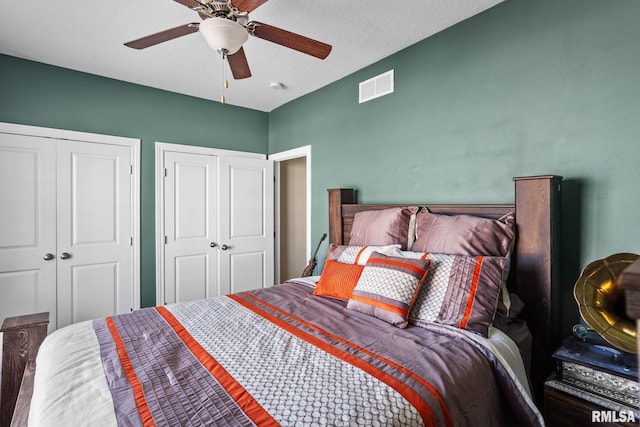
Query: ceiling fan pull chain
column 225, row 82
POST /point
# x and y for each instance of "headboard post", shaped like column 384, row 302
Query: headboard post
column 337, row 198
column 536, row 264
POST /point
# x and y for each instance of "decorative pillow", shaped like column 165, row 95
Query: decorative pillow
column 468, row 235
column 464, row 234
column 384, row 227
column 359, row 254
column 460, row 291
column 388, row 287
column 338, row 279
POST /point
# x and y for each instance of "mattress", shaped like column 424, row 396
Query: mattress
column 276, row 356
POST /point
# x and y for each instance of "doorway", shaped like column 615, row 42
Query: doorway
column 293, row 211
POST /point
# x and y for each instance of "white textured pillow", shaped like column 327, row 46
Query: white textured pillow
column 358, row 254
column 388, row 287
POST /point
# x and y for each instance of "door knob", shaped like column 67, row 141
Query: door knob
column 48, row 257
column 65, row 255
column 213, row 244
column 225, row 247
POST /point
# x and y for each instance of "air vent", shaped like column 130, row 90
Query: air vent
column 376, row 87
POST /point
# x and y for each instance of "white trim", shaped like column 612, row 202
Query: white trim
column 134, row 146
column 135, row 226
column 66, row 134
column 194, row 149
column 161, row 148
column 295, row 153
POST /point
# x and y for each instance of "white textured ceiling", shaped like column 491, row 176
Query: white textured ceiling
column 89, row 35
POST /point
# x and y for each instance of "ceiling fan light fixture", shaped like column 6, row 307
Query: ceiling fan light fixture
column 223, row 34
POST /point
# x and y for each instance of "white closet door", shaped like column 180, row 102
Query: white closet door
column 94, row 231
column 246, row 224
column 27, row 226
column 190, row 219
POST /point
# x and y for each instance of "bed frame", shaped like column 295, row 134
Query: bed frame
column 533, row 276
column 534, row 269
column 21, row 337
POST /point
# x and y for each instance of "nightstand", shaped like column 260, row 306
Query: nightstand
column 567, row 410
column 590, row 387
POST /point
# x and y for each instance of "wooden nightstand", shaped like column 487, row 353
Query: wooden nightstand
column 566, row 410
column 591, row 387
column 587, row 386
column 569, row 405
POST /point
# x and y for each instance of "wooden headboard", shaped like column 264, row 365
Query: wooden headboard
column 534, row 269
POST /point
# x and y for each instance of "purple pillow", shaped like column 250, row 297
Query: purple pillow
column 384, row 227
column 464, row 234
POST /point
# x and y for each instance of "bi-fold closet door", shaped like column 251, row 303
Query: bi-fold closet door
column 66, row 228
column 215, row 222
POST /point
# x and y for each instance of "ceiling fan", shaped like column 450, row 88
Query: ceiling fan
column 226, row 27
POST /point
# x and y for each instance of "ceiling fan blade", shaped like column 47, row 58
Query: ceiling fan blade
column 191, row 4
column 239, row 65
column 163, row 36
column 288, row 39
column 247, row 5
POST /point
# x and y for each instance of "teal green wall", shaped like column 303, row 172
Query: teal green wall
column 525, row 88
column 41, row 95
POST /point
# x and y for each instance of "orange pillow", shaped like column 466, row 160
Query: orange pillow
column 338, row 279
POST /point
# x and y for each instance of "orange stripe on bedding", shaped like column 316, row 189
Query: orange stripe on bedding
column 127, row 367
column 360, row 253
column 472, row 293
column 406, row 265
column 379, row 304
column 423, row 408
column 243, row 398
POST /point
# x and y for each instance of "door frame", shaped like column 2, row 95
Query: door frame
column 304, row 151
column 134, row 147
column 161, row 148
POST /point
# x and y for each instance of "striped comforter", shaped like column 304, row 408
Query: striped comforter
column 277, row 356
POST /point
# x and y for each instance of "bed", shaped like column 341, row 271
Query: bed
column 295, row 354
